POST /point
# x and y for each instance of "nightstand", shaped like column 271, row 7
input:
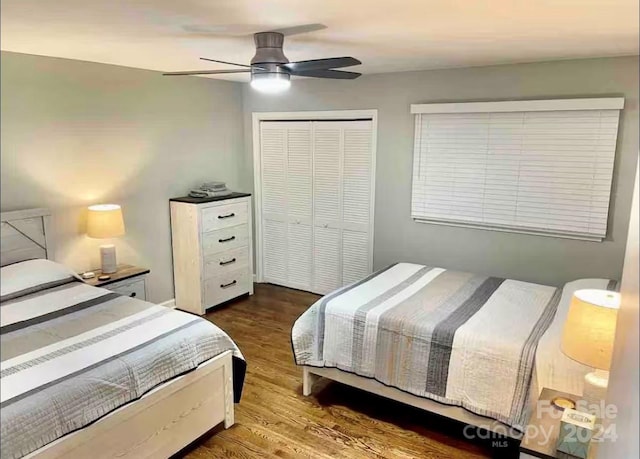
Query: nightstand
column 542, row 431
column 127, row 280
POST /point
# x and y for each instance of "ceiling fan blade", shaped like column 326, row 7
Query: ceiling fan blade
column 321, row 64
column 232, row 30
column 294, row 30
column 335, row 74
column 241, row 30
column 205, row 72
column 232, row 63
column 224, row 62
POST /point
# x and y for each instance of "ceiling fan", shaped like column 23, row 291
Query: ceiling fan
column 270, row 69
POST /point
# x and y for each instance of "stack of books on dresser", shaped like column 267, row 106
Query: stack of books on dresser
column 210, row 190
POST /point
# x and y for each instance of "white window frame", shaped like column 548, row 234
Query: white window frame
column 609, row 103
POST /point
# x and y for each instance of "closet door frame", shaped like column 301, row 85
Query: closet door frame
column 342, row 115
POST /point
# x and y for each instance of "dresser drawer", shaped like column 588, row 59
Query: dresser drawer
column 226, row 286
column 223, row 216
column 224, row 262
column 225, row 239
column 134, row 288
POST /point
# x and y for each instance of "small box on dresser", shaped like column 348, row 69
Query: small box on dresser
column 212, row 250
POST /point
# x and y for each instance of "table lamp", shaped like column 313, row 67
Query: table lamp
column 588, row 338
column 105, row 221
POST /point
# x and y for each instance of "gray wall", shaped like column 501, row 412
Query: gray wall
column 76, row 133
column 131, row 136
column 397, row 237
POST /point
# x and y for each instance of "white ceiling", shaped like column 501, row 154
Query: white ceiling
column 387, row 36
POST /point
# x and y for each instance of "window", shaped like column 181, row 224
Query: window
column 541, row 167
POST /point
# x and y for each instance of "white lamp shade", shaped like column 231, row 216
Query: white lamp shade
column 105, row 221
column 590, row 328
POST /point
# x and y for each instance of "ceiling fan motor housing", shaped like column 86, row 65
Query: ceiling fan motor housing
column 269, row 53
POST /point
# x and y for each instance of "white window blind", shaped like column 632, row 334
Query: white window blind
column 542, row 167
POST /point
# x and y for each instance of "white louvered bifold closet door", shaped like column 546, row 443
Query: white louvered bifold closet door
column 342, row 212
column 273, row 142
column 287, row 203
column 317, row 185
column 327, row 212
column 300, row 211
column 357, row 211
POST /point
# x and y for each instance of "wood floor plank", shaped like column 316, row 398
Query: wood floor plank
column 274, row 419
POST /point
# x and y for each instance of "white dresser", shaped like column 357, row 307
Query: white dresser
column 212, row 250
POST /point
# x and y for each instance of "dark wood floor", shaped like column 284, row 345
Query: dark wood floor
column 273, row 419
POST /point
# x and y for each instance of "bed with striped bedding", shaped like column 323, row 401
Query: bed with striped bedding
column 454, row 337
column 71, row 353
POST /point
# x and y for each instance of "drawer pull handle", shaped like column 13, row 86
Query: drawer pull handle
column 133, row 294
column 229, row 284
column 228, row 262
column 227, row 239
column 226, row 216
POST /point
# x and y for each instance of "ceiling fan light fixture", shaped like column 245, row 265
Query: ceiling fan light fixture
column 271, row 70
column 270, row 82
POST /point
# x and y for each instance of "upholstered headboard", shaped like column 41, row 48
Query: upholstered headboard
column 25, row 236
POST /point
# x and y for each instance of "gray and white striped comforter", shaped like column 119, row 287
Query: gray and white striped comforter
column 454, row 337
column 72, row 353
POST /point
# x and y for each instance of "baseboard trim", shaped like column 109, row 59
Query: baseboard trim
column 169, row 303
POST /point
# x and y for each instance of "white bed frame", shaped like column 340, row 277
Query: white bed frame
column 163, row 421
column 310, row 375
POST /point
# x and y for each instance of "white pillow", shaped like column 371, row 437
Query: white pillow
column 29, row 276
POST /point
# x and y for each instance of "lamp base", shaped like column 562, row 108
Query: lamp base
column 595, row 390
column 108, row 258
